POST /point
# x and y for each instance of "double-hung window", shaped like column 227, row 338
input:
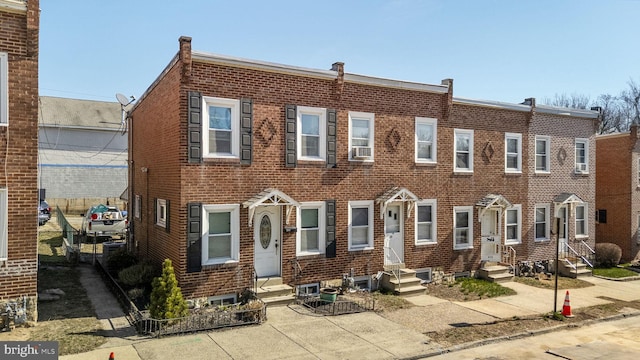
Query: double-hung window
column 4, row 234
column 543, row 144
column 311, row 229
column 312, row 140
column 541, row 222
column 513, row 224
column 463, row 152
column 426, row 140
column 4, row 89
column 581, row 220
column 361, row 136
column 582, row 156
column 512, row 153
column 137, row 206
column 161, row 212
column 426, row 223
column 462, row 227
column 221, row 239
column 360, row 225
column 221, row 123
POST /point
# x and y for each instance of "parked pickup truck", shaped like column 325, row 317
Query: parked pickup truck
column 104, row 222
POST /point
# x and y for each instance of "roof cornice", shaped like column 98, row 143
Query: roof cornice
column 491, row 104
column 398, row 84
column 592, row 114
column 15, row 6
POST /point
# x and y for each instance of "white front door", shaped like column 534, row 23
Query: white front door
column 490, row 236
column 267, row 240
column 562, row 231
column 393, row 235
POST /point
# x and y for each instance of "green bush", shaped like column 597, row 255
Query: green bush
column 120, row 259
column 608, row 254
column 138, row 274
column 166, row 298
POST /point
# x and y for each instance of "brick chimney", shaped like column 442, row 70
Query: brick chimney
column 339, row 68
column 185, row 57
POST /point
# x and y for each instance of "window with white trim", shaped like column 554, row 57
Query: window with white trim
column 4, row 221
column 222, row 300
column 221, row 122
column 581, row 221
column 541, row 222
column 310, row 237
column 543, row 144
column 308, row 289
column 426, row 223
column 312, row 133
column 361, row 136
column 426, row 140
column 463, row 151
column 582, row 156
column 513, row 153
column 221, row 237
column 360, row 225
column 136, row 206
column 462, row 227
column 513, row 224
column 4, row 88
column 161, row 212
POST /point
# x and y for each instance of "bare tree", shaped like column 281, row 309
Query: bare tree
column 631, row 99
column 574, row 101
column 612, row 116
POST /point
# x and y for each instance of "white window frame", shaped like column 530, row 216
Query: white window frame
column 362, row 279
column 234, row 209
column 518, row 138
column 303, row 290
column 4, row 224
column 4, row 89
column 434, row 221
column 234, row 105
column 222, row 300
column 362, row 116
column 161, row 212
column 469, row 211
column 434, row 142
column 547, row 149
column 547, row 212
column 518, row 224
column 321, row 206
column 137, row 204
column 322, row 132
column 361, row 204
column 585, row 142
column 462, row 133
column 585, row 220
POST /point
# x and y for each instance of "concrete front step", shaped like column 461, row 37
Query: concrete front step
column 269, row 281
column 500, row 278
column 411, row 290
column 580, row 271
column 279, row 294
column 279, row 300
column 495, row 273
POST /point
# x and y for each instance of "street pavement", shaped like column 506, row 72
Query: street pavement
column 291, row 332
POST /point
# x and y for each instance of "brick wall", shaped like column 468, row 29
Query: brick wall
column 19, row 39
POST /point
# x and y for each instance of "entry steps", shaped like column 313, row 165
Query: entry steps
column 573, row 268
column 494, row 272
column 273, row 292
column 401, row 281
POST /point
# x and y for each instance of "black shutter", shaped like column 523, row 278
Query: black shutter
column 331, row 138
column 195, row 127
column 155, row 211
column 246, row 129
column 166, row 215
column 290, row 157
column 331, row 229
column 194, row 237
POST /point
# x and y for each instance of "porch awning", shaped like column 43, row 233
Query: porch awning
column 492, row 201
column 563, row 199
column 397, row 194
column 270, row 197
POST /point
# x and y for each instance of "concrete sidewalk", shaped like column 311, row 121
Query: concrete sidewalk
column 293, row 332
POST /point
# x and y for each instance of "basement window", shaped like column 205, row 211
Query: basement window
column 222, row 300
column 308, row 289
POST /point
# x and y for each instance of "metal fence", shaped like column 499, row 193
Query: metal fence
column 68, row 232
column 338, row 307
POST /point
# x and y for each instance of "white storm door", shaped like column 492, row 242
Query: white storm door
column 562, row 231
column 490, row 236
column 393, row 235
column 267, row 240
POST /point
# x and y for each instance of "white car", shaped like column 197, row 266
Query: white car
column 104, row 222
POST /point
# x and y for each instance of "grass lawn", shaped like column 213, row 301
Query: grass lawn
column 563, row 282
column 614, row 272
column 483, row 288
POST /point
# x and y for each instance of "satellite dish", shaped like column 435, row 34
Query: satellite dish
column 123, row 100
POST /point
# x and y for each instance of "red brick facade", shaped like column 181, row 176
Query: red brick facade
column 19, row 41
column 160, row 167
column 618, row 191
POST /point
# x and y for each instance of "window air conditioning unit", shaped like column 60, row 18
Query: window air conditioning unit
column 361, row 152
column 581, row 168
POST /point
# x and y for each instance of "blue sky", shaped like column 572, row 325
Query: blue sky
column 494, row 50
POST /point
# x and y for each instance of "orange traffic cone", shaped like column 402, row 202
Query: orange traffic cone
column 566, row 308
column 112, row 356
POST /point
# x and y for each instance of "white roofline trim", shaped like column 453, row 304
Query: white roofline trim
column 76, row 127
column 262, row 65
column 592, row 114
column 613, row 135
column 13, row 6
column 492, row 104
column 398, row 84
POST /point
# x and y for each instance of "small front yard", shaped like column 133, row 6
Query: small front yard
column 614, row 272
column 468, row 289
column 549, row 283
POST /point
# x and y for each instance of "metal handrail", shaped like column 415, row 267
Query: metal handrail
column 588, row 247
column 396, row 266
column 509, row 257
column 579, row 255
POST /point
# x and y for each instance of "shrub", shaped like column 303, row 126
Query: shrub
column 135, row 293
column 120, row 259
column 166, row 298
column 138, row 274
column 608, row 254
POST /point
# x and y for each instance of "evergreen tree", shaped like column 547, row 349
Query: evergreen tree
column 166, row 298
